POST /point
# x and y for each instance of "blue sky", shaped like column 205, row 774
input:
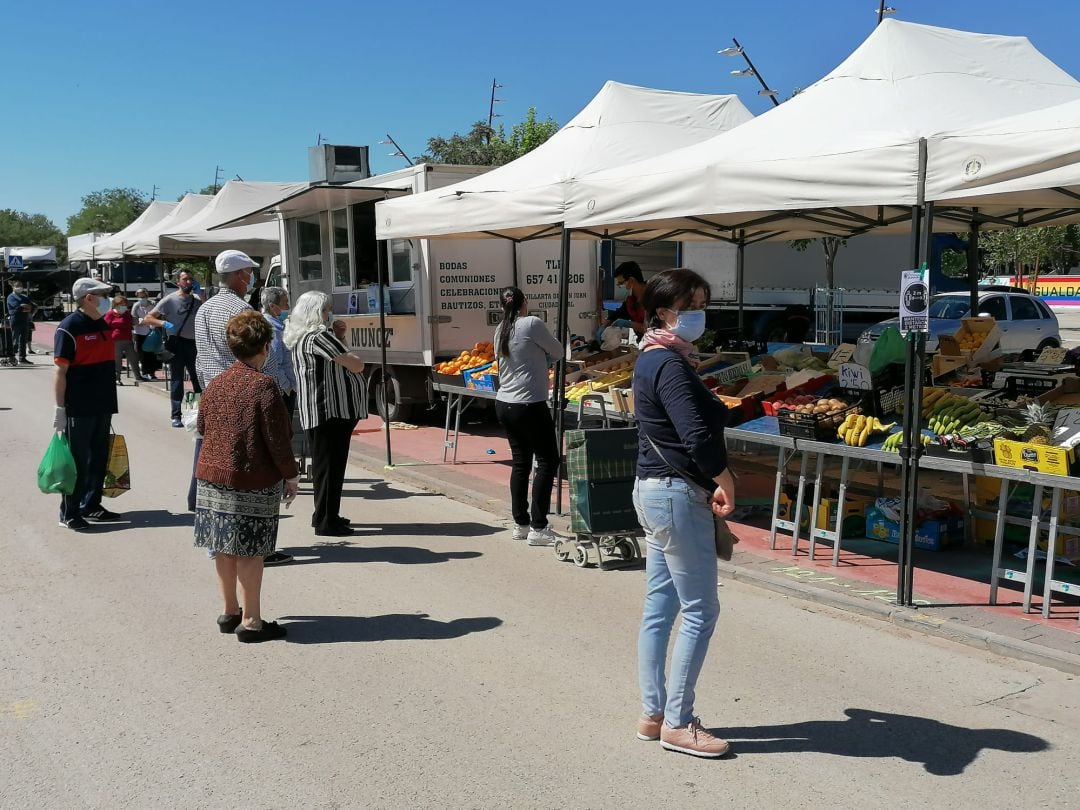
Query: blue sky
column 135, row 94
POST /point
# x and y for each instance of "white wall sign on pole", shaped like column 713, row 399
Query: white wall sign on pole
column 914, row 302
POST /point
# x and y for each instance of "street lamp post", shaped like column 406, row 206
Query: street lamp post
column 750, row 70
column 400, row 152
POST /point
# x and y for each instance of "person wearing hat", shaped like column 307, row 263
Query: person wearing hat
column 176, row 314
column 85, row 400
column 20, row 310
column 235, row 271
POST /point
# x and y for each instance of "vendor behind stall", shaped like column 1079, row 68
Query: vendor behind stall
column 629, row 277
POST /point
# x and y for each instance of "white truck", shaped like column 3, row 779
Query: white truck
column 779, row 282
column 443, row 294
column 36, row 267
column 37, row 257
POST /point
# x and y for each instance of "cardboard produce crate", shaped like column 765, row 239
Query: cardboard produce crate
column 986, row 328
column 1037, row 457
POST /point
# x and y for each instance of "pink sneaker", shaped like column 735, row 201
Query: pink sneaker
column 692, row 739
column 648, row 726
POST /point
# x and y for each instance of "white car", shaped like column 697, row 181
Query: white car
column 1024, row 320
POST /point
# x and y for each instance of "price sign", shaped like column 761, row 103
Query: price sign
column 914, row 302
column 1067, row 428
column 1053, row 355
column 855, row 377
column 841, row 355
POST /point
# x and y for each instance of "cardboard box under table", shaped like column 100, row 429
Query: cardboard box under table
column 601, row 466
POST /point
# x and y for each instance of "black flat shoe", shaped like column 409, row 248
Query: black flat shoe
column 228, row 622
column 268, row 632
column 334, row 531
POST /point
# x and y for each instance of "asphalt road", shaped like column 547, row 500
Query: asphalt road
column 1069, row 324
column 431, row 662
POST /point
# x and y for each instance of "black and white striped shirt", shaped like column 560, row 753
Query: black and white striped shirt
column 326, row 390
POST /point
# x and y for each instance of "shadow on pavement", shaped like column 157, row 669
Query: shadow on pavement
column 151, row 519
column 942, row 749
column 390, row 627
column 398, row 555
column 382, row 491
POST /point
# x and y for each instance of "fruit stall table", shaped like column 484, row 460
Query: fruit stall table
column 458, row 400
column 765, row 432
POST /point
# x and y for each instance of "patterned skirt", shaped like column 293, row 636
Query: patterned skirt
column 243, row 522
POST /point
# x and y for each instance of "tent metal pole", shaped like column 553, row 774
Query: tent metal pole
column 561, row 334
column 973, row 264
column 912, row 441
column 382, row 272
column 516, row 262
column 916, row 445
column 740, row 278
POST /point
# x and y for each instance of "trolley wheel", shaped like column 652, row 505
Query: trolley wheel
column 625, row 550
column 581, row 556
column 562, row 550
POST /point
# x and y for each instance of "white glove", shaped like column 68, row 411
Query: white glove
column 288, row 494
column 60, row 419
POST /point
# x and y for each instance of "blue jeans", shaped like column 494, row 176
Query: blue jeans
column 680, row 572
column 89, row 440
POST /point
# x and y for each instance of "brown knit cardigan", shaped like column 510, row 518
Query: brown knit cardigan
column 247, row 435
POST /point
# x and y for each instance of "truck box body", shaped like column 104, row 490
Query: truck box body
column 444, row 293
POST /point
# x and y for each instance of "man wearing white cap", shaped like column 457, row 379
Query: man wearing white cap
column 85, row 400
column 235, row 272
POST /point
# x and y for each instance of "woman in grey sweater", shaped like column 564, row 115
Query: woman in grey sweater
column 525, row 350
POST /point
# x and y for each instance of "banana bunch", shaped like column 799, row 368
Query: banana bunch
column 931, row 397
column 892, row 444
column 951, row 413
column 612, row 378
column 856, row 429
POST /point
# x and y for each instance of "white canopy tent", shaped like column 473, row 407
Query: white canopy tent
column 193, row 237
column 146, row 243
column 842, row 157
column 1023, row 168
column 325, row 196
column 526, row 199
column 111, row 249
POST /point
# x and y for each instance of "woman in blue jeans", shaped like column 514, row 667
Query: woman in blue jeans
column 683, row 484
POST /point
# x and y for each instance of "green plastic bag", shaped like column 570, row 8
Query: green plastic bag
column 56, row 473
column 889, row 348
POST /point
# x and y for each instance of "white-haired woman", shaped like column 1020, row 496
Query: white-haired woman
column 275, row 308
column 331, row 395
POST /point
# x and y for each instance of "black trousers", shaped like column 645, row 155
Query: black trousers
column 148, row 363
column 329, row 445
column 89, row 440
column 531, row 434
column 183, row 357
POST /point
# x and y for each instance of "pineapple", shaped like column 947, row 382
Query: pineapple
column 1039, row 422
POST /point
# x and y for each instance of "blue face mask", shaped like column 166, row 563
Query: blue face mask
column 283, row 314
column 689, row 325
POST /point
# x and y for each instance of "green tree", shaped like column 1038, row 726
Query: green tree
column 107, row 211
column 18, row 229
column 210, row 190
column 1031, row 250
column 490, row 146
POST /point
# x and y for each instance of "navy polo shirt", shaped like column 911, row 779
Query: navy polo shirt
column 82, row 344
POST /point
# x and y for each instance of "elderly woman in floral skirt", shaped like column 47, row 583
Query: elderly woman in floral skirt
column 246, row 468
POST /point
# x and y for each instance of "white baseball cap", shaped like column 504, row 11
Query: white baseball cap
column 229, row 261
column 85, row 286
